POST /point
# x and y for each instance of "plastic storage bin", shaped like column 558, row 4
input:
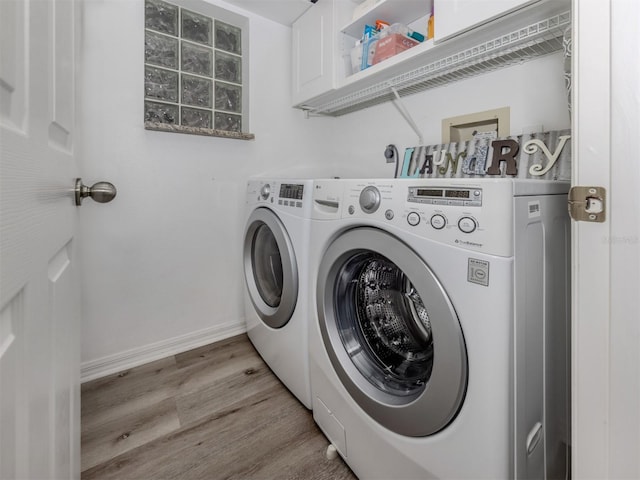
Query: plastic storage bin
column 390, row 45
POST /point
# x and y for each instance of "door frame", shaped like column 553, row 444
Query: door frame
column 605, row 258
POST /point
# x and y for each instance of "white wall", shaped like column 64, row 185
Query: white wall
column 534, row 91
column 161, row 263
column 162, row 260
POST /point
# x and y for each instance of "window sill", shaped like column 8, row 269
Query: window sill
column 207, row 132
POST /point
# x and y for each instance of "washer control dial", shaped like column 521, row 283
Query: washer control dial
column 369, row 199
column 438, row 221
column 413, row 219
column 467, row 225
column 265, row 191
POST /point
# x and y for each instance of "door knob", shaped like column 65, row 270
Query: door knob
column 101, row 192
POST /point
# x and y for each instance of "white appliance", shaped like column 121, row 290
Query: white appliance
column 275, row 258
column 440, row 331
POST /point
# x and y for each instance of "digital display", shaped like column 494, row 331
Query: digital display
column 456, row 193
column 425, row 192
column 448, row 195
column 288, row 190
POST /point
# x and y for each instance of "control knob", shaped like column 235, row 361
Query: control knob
column 265, row 191
column 370, row 199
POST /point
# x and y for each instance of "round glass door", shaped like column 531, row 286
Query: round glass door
column 383, row 324
column 270, row 268
column 391, row 332
column 267, row 265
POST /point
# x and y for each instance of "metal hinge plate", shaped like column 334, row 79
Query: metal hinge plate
column 587, row 204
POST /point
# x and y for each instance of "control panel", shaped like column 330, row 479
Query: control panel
column 449, row 209
column 461, row 212
column 290, row 196
column 286, row 194
column 291, row 191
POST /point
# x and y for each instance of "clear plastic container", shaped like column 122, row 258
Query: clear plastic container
column 402, row 30
column 356, row 57
column 368, row 52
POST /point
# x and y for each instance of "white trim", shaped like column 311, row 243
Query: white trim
column 606, row 266
column 591, row 301
column 624, row 376
column 138, row 356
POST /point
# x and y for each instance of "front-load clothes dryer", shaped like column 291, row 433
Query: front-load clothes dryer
column 439, row 339
column 275, row 258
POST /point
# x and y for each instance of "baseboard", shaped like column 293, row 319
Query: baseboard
column 108, row 365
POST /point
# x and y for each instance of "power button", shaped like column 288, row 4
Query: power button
column 438, row 221
column 467, row 225
column 413, row 219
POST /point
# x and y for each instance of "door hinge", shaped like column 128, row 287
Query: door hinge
column 587, row 204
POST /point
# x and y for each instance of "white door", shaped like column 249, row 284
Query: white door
column 39, row 288
column 606, row 256
column 313, row 52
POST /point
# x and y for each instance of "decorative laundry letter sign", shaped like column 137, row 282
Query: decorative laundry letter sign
column 439, row 160
column 477, row 163
column 427, row 166
column 407, row 163
column 509, row 157
column 532, row 146
column 450, row 161
column 531, row 155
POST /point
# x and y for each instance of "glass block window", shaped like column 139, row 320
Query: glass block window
column 193, row 69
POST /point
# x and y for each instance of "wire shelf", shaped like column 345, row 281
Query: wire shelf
column 533, row 41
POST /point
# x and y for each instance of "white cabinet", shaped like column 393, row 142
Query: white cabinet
column 457, row 16
column 323, row 36
column 316, row 55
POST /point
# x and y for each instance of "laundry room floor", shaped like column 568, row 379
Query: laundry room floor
column 214, row 412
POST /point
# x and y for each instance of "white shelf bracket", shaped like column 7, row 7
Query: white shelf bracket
column 308, row 113
column 399, row 104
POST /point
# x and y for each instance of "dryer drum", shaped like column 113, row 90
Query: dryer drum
column 390, row 322
column 267, row 266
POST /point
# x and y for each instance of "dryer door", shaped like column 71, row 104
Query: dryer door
column 391, row 332
column 270, row 268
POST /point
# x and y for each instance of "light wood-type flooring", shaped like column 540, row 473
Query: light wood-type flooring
column 216, row 412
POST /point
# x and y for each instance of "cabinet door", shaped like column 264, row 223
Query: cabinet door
column 456, row 16
column 313, row 52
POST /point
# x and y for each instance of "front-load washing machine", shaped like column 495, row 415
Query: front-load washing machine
column 275, row 258
column 439, row 343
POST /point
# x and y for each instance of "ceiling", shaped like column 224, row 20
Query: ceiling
column 281, row 11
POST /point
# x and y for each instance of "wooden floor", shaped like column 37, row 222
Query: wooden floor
column 211, row 413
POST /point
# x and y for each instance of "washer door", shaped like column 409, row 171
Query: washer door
column 391, row 332
column 270, row 268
